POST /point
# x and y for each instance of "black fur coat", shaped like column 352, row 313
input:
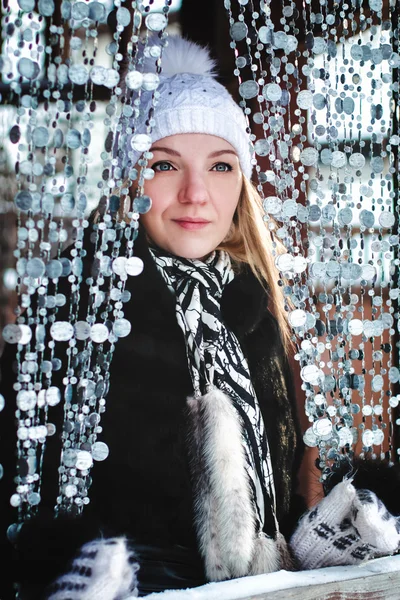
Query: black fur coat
column 143, row 490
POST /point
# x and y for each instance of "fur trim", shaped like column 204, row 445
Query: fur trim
column 225, row 511
column 183, row 56
column 286, row 559
column 204, row 503
column 265, row 556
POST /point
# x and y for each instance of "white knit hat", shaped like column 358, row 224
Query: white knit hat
column 191, row 101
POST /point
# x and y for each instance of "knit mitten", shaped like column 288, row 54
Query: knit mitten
column 104, row 570
column 345, row 528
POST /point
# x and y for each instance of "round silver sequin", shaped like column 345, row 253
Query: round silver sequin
column 122, row 328
column 73, row 139
column 150, row 81
column 311, row 374
column 377, row 383
column 134, row 265
column 35, row 267
column 142, row 204
column 272, row 92
column 53, row 396
column 386, row 219
column 97, row 11
column 310, row 439
column 26, row 335
column 248, row 89
column 23, row 200
column 348, row 105
column 33, row 498
column 339, row 159
column 368, row 272
column 238, row 31
column 134, row 80
column 69, row 457
column 284, row 263
column 376, row 5
column 297, row 318
column 40, row 137
column 357, row 160
column 111, row 78
column 345, row 436
column 378, row 438
column 99, row 333
column 280, row 39
column 367, row 438
column 84, row 460
column 54, row 269
column 156, row 21
column 79, row 10
column 304, row 99
column 26, row 5
column 26, row 399
column 345, row 216
column 377, row 164
column 272, row 205
column 82, row 330
column 265, row 34
column 355, row 327
column 299, row 264
column 100, row 451
column 2, row 404
column 319, row 45
column 61, row 331
column 322, row 427
column 123, row 16
column 119, row 265
column 58, row 138
column 141, row 142
column 309, row 157
column 262, row 147
column 70, row 490
column 78, row 73
column 367, row 218
column 314, row 213
column 98, row 75
column 319, row 101
column 67, row 202
column 28, row 68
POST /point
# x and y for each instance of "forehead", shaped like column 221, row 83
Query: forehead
column 194, row 143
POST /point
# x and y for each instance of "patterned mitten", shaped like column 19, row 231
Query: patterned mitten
column 105, row 569
column 345, row 528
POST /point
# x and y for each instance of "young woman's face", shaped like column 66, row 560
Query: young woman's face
column 195, row 191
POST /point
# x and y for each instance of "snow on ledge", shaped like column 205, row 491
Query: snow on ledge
column 239, row 589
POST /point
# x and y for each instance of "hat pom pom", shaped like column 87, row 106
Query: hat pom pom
column 183, row 56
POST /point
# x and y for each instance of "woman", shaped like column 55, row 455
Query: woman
column 201, row 423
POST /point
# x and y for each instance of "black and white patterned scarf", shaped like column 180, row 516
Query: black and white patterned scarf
column 215, row 358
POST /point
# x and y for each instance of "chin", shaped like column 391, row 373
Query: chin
column 193, row 252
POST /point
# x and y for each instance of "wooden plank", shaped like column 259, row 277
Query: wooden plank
column 385, row 586
column 377, row 579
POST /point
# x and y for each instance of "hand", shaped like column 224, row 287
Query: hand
column 104, row 569
column 345, row 528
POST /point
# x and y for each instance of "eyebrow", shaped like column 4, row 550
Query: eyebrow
column 175, row 153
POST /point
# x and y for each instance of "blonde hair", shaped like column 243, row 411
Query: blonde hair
column 249, row 241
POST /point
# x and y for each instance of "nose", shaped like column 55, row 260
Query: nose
column 193, row 188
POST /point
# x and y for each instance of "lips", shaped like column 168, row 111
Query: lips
column 191, row 223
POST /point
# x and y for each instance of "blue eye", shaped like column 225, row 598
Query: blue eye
column 162, row 166
column 222, row 167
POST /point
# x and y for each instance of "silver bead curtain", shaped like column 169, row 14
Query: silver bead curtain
column 319, row 85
